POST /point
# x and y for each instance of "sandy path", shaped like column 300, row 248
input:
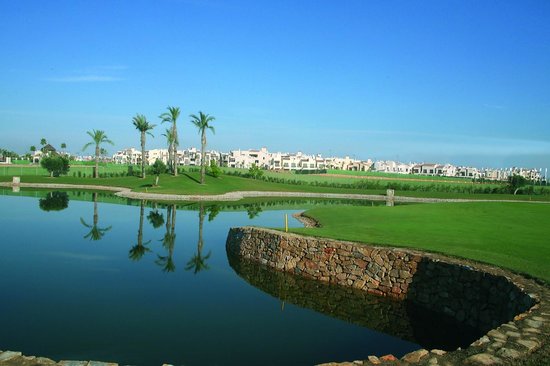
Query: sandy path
column 238, row 195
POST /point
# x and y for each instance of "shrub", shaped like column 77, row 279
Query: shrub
column 56, row 165
column 255, row 172
column 214, row 170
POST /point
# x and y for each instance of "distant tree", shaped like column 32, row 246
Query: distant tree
column 169, row 134
column 33, row 150
column 255, row 172
column 157, row 169
column 214, row 169
column 171, row 117
column 55, row 164
column 202, row 122
column 63, row 145
column 8, row 153
column 43, row 141
column 141, row 124
column 516, row 182
column 98, row 137
column 54, row 201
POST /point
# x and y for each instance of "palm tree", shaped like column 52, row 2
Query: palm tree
column 169, row 134
column 202, row 123
column 171, row 117
column 139, row 250
column 43, row 141
column 96, row 233
column 63, row 145
column 198, row 262
column 141, row 124
column 99, row 137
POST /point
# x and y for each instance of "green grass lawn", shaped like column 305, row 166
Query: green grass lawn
column 187, row 183
column 510, row 235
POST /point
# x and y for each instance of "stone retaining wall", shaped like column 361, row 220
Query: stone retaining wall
column 478, row 295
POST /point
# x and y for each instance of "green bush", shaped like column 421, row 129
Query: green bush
column 214, row 170
column 55, row 164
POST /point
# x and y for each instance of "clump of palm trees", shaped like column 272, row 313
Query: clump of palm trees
column 172, row 136
column 202, row 121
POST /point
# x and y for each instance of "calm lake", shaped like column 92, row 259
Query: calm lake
column 86, row 276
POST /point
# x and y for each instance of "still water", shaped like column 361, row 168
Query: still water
column 83, row 277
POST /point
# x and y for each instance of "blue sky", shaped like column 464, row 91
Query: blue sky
column 466, row 82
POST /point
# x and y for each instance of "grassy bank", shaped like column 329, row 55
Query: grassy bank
column 510, row 235
column 188, row 183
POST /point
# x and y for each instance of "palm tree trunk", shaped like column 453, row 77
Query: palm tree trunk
column 175, row 133
column 143, row 154
column 96, row 173
column 169, row 157
column 203, row 162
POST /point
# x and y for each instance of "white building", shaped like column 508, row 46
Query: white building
column 245, row 158
column 127, row 156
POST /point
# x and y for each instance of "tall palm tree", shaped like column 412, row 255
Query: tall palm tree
column 202, row 122
column 139, row 250
column 96, row 233
column 198, row 262
column 43, row 141
column 171, row 117
column 99, row 137
column 169, row 134
column 141, row 124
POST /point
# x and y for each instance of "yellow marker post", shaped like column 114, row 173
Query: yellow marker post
column 286, row 223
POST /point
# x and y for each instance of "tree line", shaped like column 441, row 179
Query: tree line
column 202, row 121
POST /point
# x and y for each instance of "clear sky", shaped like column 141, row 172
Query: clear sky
column 465, row 82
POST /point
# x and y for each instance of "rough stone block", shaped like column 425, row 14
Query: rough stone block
column 415, row 356
column 483, row 359
column 9, row 355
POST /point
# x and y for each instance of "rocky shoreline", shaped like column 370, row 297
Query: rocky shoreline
column 512, row 311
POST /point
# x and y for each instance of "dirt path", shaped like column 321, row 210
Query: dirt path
column 238, row 195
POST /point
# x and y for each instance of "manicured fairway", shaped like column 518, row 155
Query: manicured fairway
column 188, row 183
column 511, row 235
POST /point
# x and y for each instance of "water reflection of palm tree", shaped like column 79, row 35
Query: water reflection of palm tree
column 96, row 233
column 139, row 250
column 198, row 262
column 155, row 218
column 253, row 210
column 168, row 242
